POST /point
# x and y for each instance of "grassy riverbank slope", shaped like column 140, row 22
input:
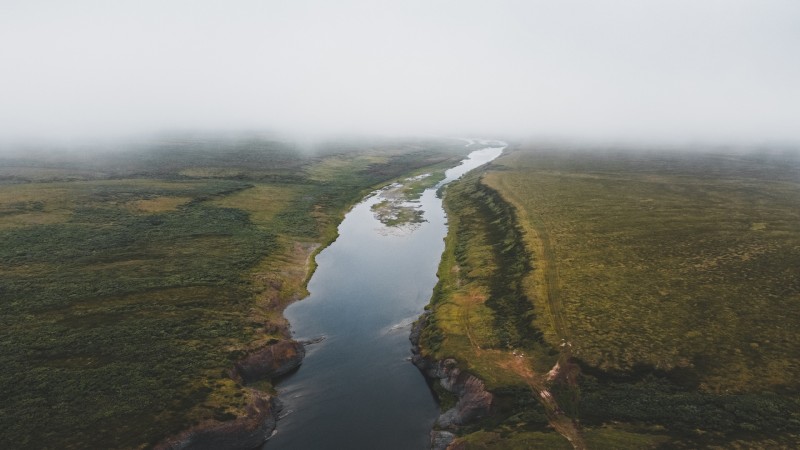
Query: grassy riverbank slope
column 130, row 281
column 669, row 278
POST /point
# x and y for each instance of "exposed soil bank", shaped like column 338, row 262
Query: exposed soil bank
column 257, row 424
column 272, row 355
column 369, row 286
column 474, row 401
column 243, row 433
column 265, row 360
column 270, row 362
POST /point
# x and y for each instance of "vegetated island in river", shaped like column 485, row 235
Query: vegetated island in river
column 619, row 299
column 142, row 288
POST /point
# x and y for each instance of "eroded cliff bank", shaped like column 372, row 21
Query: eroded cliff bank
column 270, row 361
column 257, row 423
column 245, row 432
column 474, row 401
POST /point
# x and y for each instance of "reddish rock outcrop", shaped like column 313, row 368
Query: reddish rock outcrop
column 246, row 432
column 271, row 361
column 257, row 424
column 441, row 440
column 474, row 401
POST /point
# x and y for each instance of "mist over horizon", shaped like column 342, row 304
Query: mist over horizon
column 670, row 72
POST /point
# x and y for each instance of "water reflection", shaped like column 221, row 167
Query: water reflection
column 356, row 389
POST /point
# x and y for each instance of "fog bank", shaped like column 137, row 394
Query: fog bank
column 677, row 71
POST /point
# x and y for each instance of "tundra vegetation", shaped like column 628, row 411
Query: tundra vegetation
column 131, row 281
column 661, row 288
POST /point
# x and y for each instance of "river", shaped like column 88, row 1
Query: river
column 356, row 389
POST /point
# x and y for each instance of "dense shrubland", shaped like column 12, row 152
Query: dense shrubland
column 673, row 275
column 131, row 281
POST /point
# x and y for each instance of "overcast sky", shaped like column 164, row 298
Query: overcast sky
column 676, row 70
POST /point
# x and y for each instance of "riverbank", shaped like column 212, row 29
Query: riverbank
column 598, row 245
column 477, row 342
column 279, row 282
column 370, row 284
column 133, row 285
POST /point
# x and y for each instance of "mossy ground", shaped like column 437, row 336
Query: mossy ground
column 673, row 275
column 663, row 263
column 131, row 281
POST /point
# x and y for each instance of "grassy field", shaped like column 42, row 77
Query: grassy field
column 130, row 281
column 673, row 275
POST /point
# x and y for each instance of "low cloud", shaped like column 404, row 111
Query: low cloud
column 659, row 70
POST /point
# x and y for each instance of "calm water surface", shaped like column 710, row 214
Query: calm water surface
column 357, row 388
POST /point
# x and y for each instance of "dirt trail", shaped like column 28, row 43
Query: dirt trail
column 540, row 245
column 539, row 383
column 540, row 386
column 474, row 298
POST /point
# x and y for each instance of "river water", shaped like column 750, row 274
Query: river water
column 357, row 389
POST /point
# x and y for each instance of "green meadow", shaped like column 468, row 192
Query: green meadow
column 668, row 279
column 130, row 281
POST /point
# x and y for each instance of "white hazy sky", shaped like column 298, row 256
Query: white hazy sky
column 675, row 70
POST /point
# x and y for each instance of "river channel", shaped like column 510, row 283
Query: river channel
column 357, row 389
